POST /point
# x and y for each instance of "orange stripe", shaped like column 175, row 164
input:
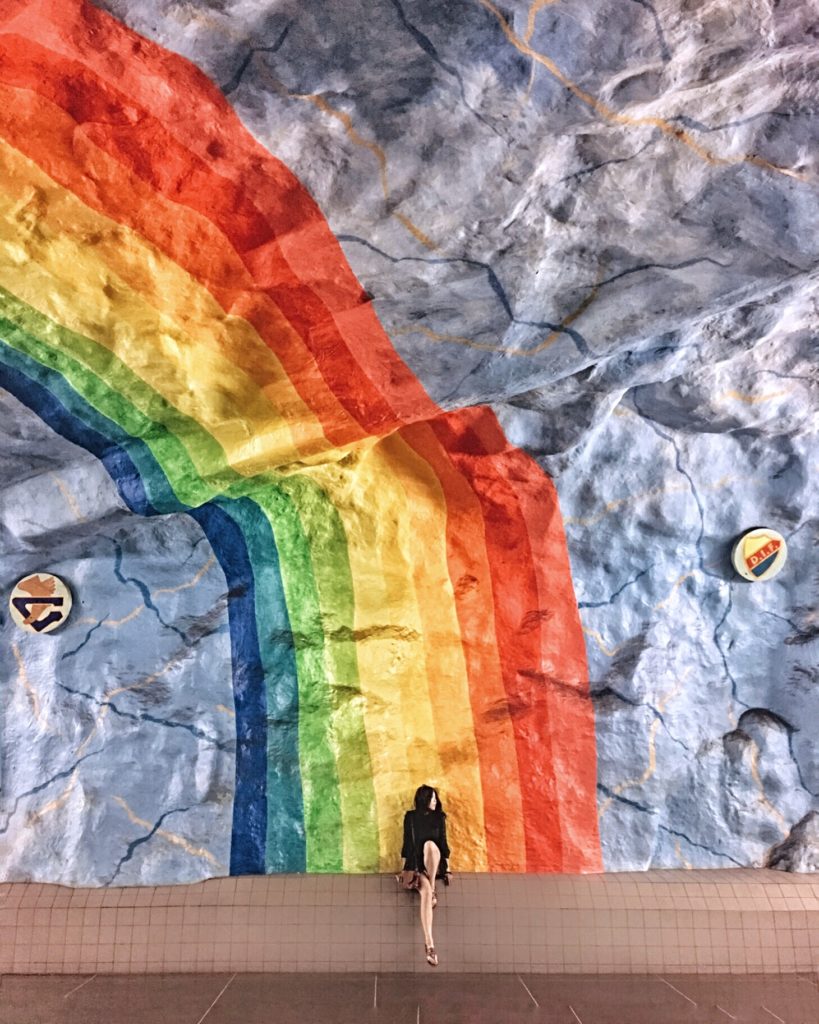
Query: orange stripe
column 472, row 585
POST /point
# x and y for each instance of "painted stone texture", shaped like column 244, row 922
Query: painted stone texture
column 596, row 221
column 117, row 754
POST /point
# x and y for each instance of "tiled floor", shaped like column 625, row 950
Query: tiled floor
column 409, row 999
column 685, row 922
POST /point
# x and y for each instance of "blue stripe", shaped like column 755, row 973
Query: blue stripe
column 135, row 471
column 286, row 844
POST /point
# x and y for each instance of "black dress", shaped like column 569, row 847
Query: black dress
column 419, row 828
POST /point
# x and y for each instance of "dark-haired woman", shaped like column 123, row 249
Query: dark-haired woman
column 425, row 851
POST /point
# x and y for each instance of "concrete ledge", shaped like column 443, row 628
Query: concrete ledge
column 732, row 921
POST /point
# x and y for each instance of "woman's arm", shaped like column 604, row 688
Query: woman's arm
column 407, row 851
column 444, row 846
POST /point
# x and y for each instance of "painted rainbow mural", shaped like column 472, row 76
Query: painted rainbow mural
column 400, row 602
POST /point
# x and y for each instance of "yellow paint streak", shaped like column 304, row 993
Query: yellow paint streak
column 631, row 499
column 34, row 816
column 741, row 396
column 70, row 500
column 672, row 131
column 685, row 863
column 377, row 151
column 169, row 837
column 674, row 587
column 651, row 766
column 191, row 583
column 535, row 8
column 601, row 643
column 226, row 710
column 116, row 623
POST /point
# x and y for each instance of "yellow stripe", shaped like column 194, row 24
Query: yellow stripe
column 124, row 294
column 390, row 648
column 446, row 673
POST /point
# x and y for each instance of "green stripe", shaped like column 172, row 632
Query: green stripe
column 344, row 705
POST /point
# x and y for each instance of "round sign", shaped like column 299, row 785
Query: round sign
column 40, row 602
column 760, row 554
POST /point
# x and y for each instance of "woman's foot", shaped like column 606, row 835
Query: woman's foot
column 432, row 956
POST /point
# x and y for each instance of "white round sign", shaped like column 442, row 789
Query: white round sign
column 40, row 602
column 760, row 554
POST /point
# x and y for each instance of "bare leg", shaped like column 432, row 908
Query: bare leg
column 432, row 858
column 426, row 910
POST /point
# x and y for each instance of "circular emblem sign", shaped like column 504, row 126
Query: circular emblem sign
column 760, row 554
column 40, row 602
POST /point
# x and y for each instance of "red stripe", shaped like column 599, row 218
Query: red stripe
column 199, row 154
column 535, row 655
column 560, row 683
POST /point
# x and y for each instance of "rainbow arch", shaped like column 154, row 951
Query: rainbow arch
column 400, row 600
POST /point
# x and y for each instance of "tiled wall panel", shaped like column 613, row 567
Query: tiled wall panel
column 688, row 921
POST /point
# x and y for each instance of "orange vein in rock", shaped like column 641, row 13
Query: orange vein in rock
column 378, row 153
column 673, row 131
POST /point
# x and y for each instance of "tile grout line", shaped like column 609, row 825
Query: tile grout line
column 765, row 1008
column 216, row 1000
column 78, row 987
column 678, row 991
column 528, row 990
column 375, row 993
column 418, row 1016
column 727, row 1014
column 579, row 1021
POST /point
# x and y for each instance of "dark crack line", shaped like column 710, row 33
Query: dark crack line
column 494, row 284
column 790, row 376
column 664, row 828
column 701, row 846
column 663, row 266
column 44, row 785
column 617, row 593
column 610, row 691
column 144, row 717
column 797, row 629
column 665, row 53
column 729, row 674
column 652, row 425
column 143, row 590
column 233, row 83
column 698, row 126
column 801, row 526
column 132, row 846
column 655, row 427
column 429, row 49
column 606, row 163
column 625, row 800
column 92, row 630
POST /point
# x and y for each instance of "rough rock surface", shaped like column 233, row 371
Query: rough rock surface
column 600, row 219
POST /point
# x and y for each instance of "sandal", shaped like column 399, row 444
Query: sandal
column 432, row 956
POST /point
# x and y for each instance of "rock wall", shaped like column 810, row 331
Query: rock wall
column 595, row 221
